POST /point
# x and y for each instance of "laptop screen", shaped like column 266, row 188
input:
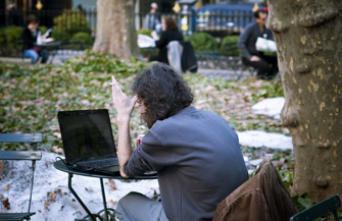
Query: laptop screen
column 86, row 135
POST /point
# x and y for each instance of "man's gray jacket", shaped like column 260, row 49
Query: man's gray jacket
column 198, row 159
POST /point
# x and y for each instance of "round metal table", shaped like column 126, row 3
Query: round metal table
column 109, row 214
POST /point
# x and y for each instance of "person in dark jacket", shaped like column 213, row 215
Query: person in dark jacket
column 30, row 47
column 152, row 19
column 196, row 153
column 170, row 33
column 266, row 65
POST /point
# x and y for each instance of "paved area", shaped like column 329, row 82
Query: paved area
column 63, row 55
column 227, row 74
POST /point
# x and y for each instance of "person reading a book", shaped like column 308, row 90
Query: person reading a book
column 265, row 63
column 196, row 153
column 30, row 47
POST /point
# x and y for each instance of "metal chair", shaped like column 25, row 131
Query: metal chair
column 21, row 155
column 321, row 209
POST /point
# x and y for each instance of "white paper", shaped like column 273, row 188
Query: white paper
column 145, row 41
column 265, row 45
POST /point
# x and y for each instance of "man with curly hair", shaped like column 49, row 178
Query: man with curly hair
column 196, row 153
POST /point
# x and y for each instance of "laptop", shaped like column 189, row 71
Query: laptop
column 88, row 142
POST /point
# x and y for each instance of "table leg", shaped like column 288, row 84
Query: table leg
column 78, row 198
column 104, row 199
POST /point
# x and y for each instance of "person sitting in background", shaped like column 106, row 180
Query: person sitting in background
column 30, row 35
column 170, row 33
column 151, row 20
column 266, row 65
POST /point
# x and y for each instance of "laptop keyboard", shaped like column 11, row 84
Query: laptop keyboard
column 97, row 164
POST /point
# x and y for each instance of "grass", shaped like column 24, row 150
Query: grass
column 31, row 97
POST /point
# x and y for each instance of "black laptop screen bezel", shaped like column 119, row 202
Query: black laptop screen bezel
column 62, row 128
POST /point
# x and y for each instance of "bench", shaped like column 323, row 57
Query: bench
column 15, row 60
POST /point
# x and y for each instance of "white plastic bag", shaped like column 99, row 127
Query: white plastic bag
column 265, row 45
column 145, row 41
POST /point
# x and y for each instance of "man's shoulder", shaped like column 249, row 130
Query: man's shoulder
column 184, row 117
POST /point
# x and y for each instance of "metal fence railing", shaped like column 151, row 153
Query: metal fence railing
column 217, row 23
column 231, row 21
column 47, row 17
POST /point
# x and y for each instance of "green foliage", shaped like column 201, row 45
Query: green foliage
column 95, row 62
column 302, row 202
column 2, row 38
column 147, row 32
column 203, row 42
column 269, row 89
column 13, row 35
column 69, row 23
column 10, row 38
column 83, row 38
column 229, row 47
column 60, row 35
column 31, row 96
column 42, row 29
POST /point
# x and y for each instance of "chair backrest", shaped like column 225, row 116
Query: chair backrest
column 22, row 155
column 321, row 209
column 21, row 138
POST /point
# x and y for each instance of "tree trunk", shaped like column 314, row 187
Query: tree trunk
column 309, row 39
column 115, row 31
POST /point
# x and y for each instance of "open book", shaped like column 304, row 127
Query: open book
column 43, row 39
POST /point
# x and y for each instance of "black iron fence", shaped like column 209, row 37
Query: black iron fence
column 48, row 17
column 226, row 22
column 79, row 27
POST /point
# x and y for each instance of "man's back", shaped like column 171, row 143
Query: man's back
column 199, row 162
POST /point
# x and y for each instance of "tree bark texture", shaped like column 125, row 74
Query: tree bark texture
column 308, row 34
column 115, row 31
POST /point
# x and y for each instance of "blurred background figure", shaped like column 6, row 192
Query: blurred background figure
column 31, row 49
column 13, row 15
column 81, row 10
column 265, row 63
column 169, row 33
column 152, row 19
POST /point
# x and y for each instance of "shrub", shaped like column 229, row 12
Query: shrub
column 203, row 42
column 82, row 38
column 13, row 35
column 10, row 38
column 229, row 46
column 60, row 35
column 2, row 39
column 42, row 29
column 69, row 23
column 147, row 32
